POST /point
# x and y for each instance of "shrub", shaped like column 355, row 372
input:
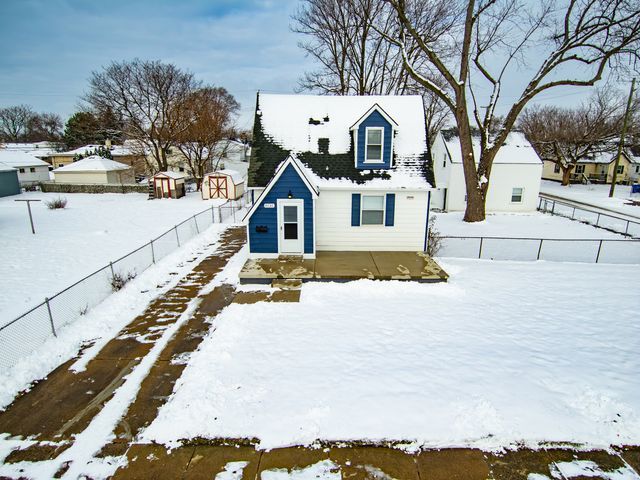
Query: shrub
column 56, row 203
column 434, row 240
column 119, row 280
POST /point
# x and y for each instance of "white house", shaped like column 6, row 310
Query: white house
column 31, row 170
column 338, row 173
column 95, row 170
column 515, row 176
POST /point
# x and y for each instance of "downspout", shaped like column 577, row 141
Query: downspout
column 426, row 227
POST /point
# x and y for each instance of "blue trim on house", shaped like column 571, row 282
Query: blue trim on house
column 426, row 227
column 390, row 209
column 375, row 119
column 355, row 209
column 263, row 223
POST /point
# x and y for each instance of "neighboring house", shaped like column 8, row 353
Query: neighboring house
column 31, row 170
column 225, row 151
column 41, row 150
column 515, row 175
column 338, row 173
column 127, row 154
column 9, row 184
column 599, row 168
column 95, row 170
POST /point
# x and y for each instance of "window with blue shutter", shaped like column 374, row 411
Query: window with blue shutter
column 390, row 210
column 355, row 209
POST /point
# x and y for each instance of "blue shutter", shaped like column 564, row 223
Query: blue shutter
column 355, row 209
column 390, row 209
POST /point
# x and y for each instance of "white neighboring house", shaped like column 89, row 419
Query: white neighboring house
column 515, row 176
column 95, row 170
column 31, row 170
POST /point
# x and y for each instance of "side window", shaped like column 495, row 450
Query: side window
column 374, row 141
column 516, row 195
column 32, row 170
column 372, row 209
column 620, row 169
column 22, row 170
column 579, row 168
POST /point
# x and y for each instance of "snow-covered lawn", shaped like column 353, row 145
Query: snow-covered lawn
column 91, row 231
column 597, row 195
column 505, row 352
column 518, row 225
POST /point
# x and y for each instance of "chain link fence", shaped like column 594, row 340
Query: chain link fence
column 625, row 251
column 607, row 221
column 27, row 332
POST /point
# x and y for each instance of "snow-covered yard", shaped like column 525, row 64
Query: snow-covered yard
column 597, row 195
column 70, row 243
column 505, row 352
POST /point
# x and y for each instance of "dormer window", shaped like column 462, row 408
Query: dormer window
column 375, row 140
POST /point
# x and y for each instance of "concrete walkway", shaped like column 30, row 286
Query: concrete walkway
column 363, row 462
column 345, row 266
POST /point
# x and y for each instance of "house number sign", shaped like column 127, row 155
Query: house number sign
column 269, row 205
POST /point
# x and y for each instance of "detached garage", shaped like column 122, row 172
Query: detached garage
column 95, row 170
column 168, row 185
column 223, row 184
column 9, row 184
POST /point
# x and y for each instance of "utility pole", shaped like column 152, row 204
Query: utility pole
column 625, row 121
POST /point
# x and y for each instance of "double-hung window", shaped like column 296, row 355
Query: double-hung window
column 374, row 144
column 620, row 169
column 579, row 168
column 516, row 195
column 372, row 210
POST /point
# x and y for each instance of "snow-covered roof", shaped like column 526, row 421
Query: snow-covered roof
column 19, row 159
column 234, row 174
column 94, row 163
column 37, row 149
column 515, row 150
column 296, row 123
column 6, row 168
column 174, row 175
column 116, row 150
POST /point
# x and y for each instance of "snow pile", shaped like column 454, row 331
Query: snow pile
column 504, row 353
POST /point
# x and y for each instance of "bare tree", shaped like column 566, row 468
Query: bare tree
column 476, row 45
column 44, row 127
column 14, row 122
column 211, row 112
column 347, row 39
column 566, row 136
column 148, row 96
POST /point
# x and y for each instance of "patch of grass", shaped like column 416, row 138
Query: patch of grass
column 56, row 203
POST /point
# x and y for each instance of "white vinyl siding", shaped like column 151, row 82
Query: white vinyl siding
column 334, row 230
column 374, row 143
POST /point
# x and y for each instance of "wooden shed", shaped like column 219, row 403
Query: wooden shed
column 168, row 185
column 223, row 184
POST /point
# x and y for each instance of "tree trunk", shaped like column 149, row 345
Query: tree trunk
column 566, row 176
column 475, row 210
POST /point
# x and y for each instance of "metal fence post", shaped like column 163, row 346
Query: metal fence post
column 220, row 213
column 597, row 220
column 153, row 253
column 196, row 222
column 553, row 206
column 626, row 230
column 213, row 215
column 480, row 250
column 177, row 236
column 234, row 213
column 574, row 213
column 113, row 274
column 539, row 249
column 599, row 248
column 53, row 328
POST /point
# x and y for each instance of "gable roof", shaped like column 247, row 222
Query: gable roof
column 516, row 149
column 6, row 168
column 379, row 109
column 93, row 163
column 18, row 159
column 116, row 150
column 234, row 174
column 170, row 174
column 300, row 170
column 294, row 124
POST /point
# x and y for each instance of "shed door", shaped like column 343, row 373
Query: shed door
column 218, row 187
column 290, row 226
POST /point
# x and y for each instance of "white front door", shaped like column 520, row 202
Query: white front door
column 291, row 226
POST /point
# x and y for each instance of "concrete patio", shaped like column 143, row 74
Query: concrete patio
column 345, row 266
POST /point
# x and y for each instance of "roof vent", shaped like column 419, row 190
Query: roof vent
column 326, row 119
column 313, row 121
column 323, row 145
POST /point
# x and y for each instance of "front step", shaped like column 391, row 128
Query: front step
column 286, row 283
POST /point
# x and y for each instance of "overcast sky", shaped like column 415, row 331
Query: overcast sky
column 48, row 48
